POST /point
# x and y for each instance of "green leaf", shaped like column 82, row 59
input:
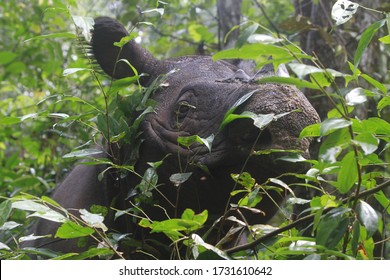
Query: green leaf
column 333, row 144
column 330, row 125
column 282, row 184
column 368, row 142
column 348, row 173
column 70, row 71
column 93, row 220
column 259, row 120
column 229, row 116
column 355, row 97
column 332, row 227
column 383, row 200
column 244, row 179
column 200, row 33
column 385, row 39
column 29, row 205
column 375, row 83
column 179, row 178
column 200, row 218
column 117, row 85
column 89, row 254
column 124, row 40
column 312, row 130
column 83, row 153
column 72, row 230
column 384, row 102
column 5, row 211
column 355, row 237
column 289, row 81
column 9, row 120
column 301, row 70
column 365, row 40
column 254, row 51
column 53, row 35
column 199, row 242
column 187, row 141
column 156, row 10
column 6, row 57
column 368, row 217
column 245, row 34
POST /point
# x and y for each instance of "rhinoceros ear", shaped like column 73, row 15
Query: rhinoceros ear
column 105, row 33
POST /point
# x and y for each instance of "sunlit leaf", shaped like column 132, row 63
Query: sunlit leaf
column 343, row 10
column 50, row 215
column 73, row 230
column 244, row 179
column 312, row 130
column 4, row 247
column 179, row 178
column 330, row 125
column 368, row 142
column 70, row 71
column 301, row 70
column 385, row 39
column 32, row 237
column 9, row 225
column 198, row 241
column 368, row 217
column 93, row 220
column 282, row 184
column 29, row 205
column 157, row 10
column 83, row 153
column 84, row 25
column 355, row 97
column 263, row 38
column 53, row 35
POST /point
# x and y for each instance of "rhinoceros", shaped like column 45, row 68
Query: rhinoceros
column 194, row 99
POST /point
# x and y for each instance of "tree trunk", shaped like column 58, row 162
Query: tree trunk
column 229, row 15
column 334, row 48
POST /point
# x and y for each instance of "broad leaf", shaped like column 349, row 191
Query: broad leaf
column 83, row 153
column 343, row 10
column 332, row 227
column 179, row 178
column 72, row 230
column 93, row 220
column 330, row 125
column 348, row 173
column 365, row 40
column 355, row 97
column 368, row 217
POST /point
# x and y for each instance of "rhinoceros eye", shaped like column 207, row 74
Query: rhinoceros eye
column 182, row 110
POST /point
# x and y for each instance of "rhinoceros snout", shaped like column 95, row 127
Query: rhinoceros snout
column 242, row 133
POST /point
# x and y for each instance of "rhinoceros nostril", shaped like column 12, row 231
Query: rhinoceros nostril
column 242, row 132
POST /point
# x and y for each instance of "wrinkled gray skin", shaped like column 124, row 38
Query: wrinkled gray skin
column 211, row 88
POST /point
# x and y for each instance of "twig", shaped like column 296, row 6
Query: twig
column 304, row 219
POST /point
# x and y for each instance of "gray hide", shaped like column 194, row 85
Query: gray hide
column 193, row 101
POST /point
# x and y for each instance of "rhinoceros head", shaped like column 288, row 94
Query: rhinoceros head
column 194, row 99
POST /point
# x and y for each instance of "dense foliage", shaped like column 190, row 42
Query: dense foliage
column 55, row 106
